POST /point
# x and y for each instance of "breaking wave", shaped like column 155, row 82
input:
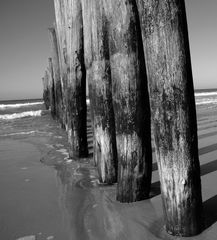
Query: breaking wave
column 200, row 94
column 18, row 105
column 204, row 102
column 206, row 98
column 18, row 133
column 21, row 115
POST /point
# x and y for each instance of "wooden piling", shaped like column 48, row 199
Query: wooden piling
column 100, row 90
column 60, row 27
column 56, row 75
column 131, row 102
column 77, row 109
column 70, row 37
column 46, row 94
column 166, row 47
column 52, row 88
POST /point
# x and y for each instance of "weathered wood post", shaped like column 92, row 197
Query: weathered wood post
column 167, row 54
column 52, row 88
column 100, row 90
column 131, row 102
column 56, row 75
column 46, row 94
column 70, row 37
column 77, row 82
column 60, row 16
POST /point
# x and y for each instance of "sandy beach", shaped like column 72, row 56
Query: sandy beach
column 131, row 73
column 46, row 195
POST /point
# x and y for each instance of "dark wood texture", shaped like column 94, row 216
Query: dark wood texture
column 130, row 99
column 46, row 93
column 52, row 88
column 69, row 24
column 100, row 91
column 77, row 81
column 60, row 27
column 166, row 47
column 56, row 75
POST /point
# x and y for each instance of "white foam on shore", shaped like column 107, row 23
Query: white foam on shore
column 21, row 115
column 32, row 237
column 18, row 105
column 18, row 133
column 63, row 151
column 200, row 94
column 25, row 133
column 206, row 101
column 50, row 237
column 88, row 101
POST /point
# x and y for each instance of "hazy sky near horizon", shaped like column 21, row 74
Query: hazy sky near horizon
column 25, row 46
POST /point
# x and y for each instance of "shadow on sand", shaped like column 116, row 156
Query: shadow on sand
column 210, row 211
column 210, row 205
column 205, row 169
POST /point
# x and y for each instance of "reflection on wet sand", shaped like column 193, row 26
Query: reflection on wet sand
column 74, row 199
column 45, row 195
column 29, row 195
column 92, row 212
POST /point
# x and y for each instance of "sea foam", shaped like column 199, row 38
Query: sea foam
column 206, row 101
column 18, row 133
column 18, row 105
column 200, row 94
column 21, row 115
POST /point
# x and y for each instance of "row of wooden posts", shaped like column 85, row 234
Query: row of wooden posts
column 134, row 56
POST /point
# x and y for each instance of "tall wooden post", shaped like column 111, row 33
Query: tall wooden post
column 46, row 93
column 70, row 32
column 131, row 102
column 77, row 82
column 52, row 88
column 100, row 91
column 56, row 75
column 61, row 27
column 166, row 47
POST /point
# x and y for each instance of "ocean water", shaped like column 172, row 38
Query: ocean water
column 45, row 195
column 42, row 190
column 206, row 98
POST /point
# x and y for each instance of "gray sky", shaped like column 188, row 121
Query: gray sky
column 202, row 26
column 25, row 46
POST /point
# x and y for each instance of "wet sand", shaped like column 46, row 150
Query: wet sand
column 45, row 195
column 29, row 202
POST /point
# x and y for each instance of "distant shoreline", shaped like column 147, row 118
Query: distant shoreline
column 21, row 100
column 205, row 89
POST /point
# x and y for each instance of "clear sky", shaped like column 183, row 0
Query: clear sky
column 25, row 46
column 202, row 26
